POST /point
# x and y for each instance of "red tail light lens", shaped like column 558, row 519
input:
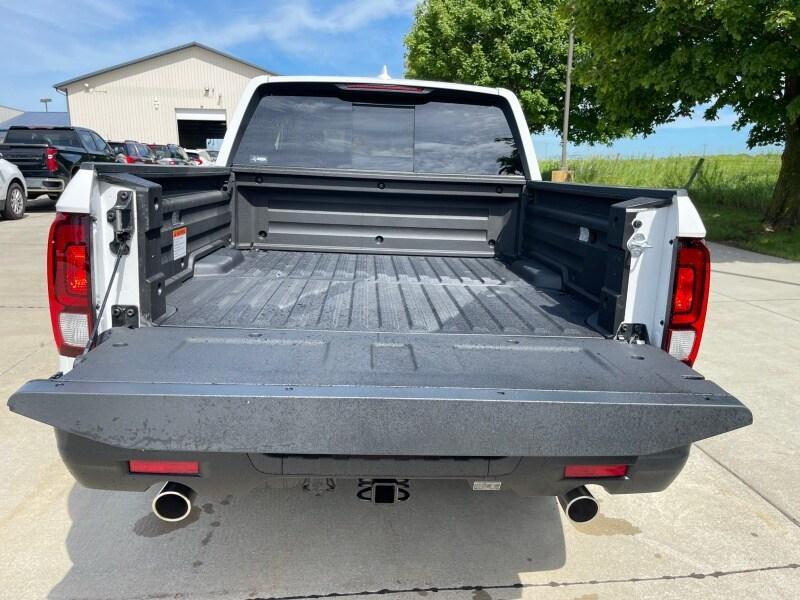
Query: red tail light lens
column 592, row 471
column 684, row 290
column 130, row 160
column 164, row 467
column 689, row 300
column 70, row 283
column 76, row 272
column 50, row 158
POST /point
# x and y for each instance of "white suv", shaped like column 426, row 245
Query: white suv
column 12, row 190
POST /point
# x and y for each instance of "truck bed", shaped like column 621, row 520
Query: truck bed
column 276, row 289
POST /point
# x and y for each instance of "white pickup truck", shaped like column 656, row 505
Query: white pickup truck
column 374, row 286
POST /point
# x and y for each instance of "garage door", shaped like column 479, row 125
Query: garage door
column 200, row 128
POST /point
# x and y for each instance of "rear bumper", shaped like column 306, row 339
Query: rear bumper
column 101, row 466
column 45, row 185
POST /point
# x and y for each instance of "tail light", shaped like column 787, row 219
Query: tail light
column 50, row 158
column 129, row 159
column 69, row 282
column 689, row 300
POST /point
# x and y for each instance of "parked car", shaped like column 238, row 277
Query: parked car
column 131, row 152
column 13, row 194
column 50, row 156
column 383, row 298
column 201, row 157
column 169, row 154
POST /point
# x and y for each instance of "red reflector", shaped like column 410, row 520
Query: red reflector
column 164, row 467
column 587, row 471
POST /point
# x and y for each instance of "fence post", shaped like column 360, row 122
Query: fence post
column 695, row 172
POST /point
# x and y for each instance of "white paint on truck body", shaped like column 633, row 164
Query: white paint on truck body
column 650, row 280
column 85, row 194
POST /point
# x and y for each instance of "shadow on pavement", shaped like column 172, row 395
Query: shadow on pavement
column 40, row 204
column 288, row 542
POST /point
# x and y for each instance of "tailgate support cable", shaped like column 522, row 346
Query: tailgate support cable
column 119, row 216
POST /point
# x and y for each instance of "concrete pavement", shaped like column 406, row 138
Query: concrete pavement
column 727, row 528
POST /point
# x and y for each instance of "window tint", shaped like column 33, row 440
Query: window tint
column 143, row 150
column 54, row 137
column 99, row 143
column 87, row 140
column 328, row 132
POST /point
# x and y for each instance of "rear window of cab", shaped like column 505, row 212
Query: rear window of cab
column 369, row 133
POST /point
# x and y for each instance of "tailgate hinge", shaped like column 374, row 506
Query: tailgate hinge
column 633, row 333
column 120, row 216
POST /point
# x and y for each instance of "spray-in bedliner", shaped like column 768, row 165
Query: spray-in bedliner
column 363, row 292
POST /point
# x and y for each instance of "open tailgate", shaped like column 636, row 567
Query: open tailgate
column 346, row 393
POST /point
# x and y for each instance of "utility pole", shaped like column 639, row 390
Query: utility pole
column 45, row 101
column 565, row 130
column 562, row 173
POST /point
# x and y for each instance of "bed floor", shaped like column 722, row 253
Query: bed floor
column 363, row 292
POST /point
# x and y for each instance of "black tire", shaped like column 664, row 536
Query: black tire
column 15, row 202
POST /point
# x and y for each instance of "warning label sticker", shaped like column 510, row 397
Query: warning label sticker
column 178, row 243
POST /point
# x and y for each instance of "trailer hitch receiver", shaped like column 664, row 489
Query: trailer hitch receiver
column 383, row 491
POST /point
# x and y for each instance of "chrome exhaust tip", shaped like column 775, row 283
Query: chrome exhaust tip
column 579, row 505
column 174, row 502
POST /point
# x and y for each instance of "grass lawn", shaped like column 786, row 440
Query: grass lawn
column 731, row 192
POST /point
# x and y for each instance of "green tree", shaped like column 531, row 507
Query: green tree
column 652, row 61
column 516, row 44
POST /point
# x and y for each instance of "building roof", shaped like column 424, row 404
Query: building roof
column 11, row 108
column 37, row 119
column 63, row 84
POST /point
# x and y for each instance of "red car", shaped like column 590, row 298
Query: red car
column 131, row 152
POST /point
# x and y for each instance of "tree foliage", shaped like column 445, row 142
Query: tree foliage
column 638, row 64
column 516, row 44
column 652, row 61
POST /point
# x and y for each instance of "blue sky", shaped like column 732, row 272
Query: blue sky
column 54, row 41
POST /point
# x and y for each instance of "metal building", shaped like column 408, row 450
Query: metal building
column 183, row 95
column 6, row 112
